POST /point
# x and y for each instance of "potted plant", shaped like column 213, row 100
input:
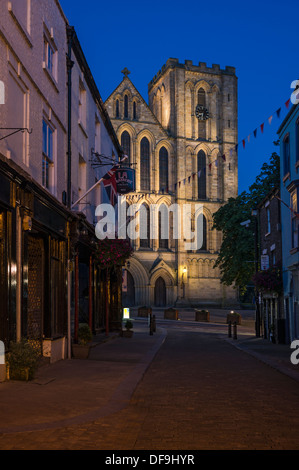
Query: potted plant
column 127, row 333
column 81, row 350
column 22, row 360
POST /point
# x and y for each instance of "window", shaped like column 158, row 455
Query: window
column 201, row 168
column 268, row 213
column 295, row 220
column 97, row 136
column 286, row 154
column 145, row 164
column 48, row 157
column 126, row 112
column 201, row 101
column 21, row 10
column 82, row 105
column 163, row 227
column 202, row 226
column 117, row 109
column 50, row 57
column 163, row 169
column 126, row 145
column 144, row 226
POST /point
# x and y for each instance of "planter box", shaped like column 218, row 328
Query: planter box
column 55, row 349
column 233, row 318
column 24, row 373
column 144, row 312
column 126, row 333
column 171, row 314
column 80, row 351
column 202, row 315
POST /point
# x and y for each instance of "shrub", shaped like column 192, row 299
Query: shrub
column 84, row 334
column 128, row 325
column 22, row 356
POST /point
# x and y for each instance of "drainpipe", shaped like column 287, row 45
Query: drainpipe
column 69, row 63
column 19, row 274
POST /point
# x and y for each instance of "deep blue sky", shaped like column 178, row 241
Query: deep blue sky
column 259, row 38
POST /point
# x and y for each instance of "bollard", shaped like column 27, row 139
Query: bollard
column 151, row 324
column 154, row 323
column 229, row 329
column 235, row 330
column 2, row 362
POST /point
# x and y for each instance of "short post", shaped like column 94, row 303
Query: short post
column 235, row 330
column 2, row 362
column 229, row 329
column 154, row 323
column 151, row 324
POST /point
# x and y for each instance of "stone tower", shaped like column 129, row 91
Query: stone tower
column 182, row 144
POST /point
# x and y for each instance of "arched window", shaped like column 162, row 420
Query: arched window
column 117, row 109
column 126, row 145
column 201, row 223
column 201, row 101
column 202, row 175
column 163, row 169
column 163, row 227
column 126, row 111
column 144, row 227
column 145, row 164
column 134, row 110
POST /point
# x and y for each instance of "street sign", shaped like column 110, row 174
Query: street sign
column 264, row 262
column 125, row 180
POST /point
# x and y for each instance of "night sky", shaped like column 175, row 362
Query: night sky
column 259, row 38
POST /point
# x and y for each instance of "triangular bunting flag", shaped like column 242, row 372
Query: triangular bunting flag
column 230, row 154
column 262, row 127
column 278, row 112
column 210, row 166
column 199, row 173
column 255, row 132
column 189, row 177
column 270, row 120
column 244, row 144
column 236, row 148
column 288, row 103
column 224, row 157
column 185, row 181
column 248, row 138
column 179, row 184
column 216, row 162
column 175, row 185
column 193, row 175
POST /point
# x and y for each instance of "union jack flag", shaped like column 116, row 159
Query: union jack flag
column 109, row 182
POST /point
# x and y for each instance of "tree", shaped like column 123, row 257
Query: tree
column 237, row 252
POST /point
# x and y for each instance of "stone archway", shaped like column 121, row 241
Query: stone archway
column 160, row 292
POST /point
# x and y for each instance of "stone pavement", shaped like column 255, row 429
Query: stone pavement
column 76, row 392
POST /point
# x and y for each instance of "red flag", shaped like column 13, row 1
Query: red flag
column 109, row 182
column 287, row 103
column 244, row 144
column 262, row 127
column 223, row 156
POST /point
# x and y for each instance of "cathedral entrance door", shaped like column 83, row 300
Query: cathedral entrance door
column 160, row 293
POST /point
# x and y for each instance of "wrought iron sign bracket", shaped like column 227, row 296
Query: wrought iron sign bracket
column 14, row 130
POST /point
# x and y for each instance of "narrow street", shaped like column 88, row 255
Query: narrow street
column 199, row 393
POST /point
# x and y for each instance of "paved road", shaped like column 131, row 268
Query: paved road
column 199, row 393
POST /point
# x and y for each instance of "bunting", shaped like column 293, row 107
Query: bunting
column 235, row 148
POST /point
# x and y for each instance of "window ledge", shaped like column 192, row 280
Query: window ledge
column 82, row 127
column 22, row 29
column 294, row 250
column 50, row 76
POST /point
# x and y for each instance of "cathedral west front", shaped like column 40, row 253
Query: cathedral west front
column 182, row 145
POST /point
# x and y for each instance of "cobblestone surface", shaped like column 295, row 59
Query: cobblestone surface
column 199, row 393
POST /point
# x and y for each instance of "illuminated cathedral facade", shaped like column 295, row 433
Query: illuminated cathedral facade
column 182, row 146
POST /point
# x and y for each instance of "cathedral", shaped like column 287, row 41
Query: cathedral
column 182, row 144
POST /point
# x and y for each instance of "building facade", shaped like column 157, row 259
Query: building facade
column 289, row 151
column 182, row 145
column 51, row 120
column 271, row 296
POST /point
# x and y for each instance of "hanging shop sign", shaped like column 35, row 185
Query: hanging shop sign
column 125, row 180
